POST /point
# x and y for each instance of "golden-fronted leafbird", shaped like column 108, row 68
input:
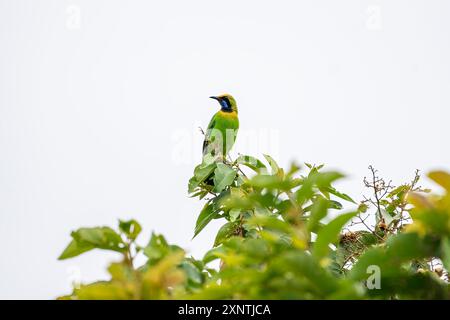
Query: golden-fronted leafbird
column 222, row 129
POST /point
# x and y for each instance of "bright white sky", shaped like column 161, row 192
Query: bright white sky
column 100, row 101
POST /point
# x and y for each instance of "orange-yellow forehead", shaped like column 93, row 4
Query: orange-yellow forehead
column 225, row 95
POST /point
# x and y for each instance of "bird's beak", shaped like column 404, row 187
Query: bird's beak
column 215, row 98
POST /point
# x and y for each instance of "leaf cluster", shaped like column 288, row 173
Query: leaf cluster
column 286, row 235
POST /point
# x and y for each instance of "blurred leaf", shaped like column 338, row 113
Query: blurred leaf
column 223, row 177
column 234, row 214
column 445, row 249
column 442, row 178
column 74, row 249
column 338, row 194
column 315, row 179
column 331, row 204
column 121, row 272
column 163, row 277
column 226, row 231
column 252, row 163
column 419, row 201
column 206, row 215
column 271, row 182
column 273, row 164
column 293, row 169
column 194, row 275
column 158, row 248
column 130, row 228
column 334, row 205
column 270, row 223
column 103, row 290
column 318, row 212
column 214, row 254
column 201, row 173
column 375, row 256
column 324, row 179
column 431, row 221
column 330, row 234
column 408, row 246
column 399, row 189
column 85, row 239
column 320, row 282
column 398, row 250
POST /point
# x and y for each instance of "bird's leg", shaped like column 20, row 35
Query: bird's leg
column 201, row 130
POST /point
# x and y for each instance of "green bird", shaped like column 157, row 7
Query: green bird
column 222, row 129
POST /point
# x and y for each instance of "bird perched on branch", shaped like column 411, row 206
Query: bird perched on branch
column 222, row 129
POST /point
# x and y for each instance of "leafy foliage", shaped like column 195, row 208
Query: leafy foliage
column 286, row 235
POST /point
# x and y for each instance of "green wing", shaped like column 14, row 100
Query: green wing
column 217, row 139
column 208, row 137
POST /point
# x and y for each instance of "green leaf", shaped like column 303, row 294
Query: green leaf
column 131, row 228
column 324, row 179
column 223, row 177
column 293, row 169
column 272, row 182
column 158, row 248
column 85, row 239
column 398, row 190
column 445, row 252
column 338, row 194
column 201, row 173
column 74, row 249
column 319, row 211
column 330, row 234
column 206, row 215
column 121, row 271
column 408, row 246
column 332, row 204
column 214, row 254
column 103, row 238
column 266, row 181
column 398, row 249
column 273, row 164
column 193, row 273
column 363, row 208
column 226, row 231
column 303, row 266
column 315, row 179
column 270, row 223
column 442, row 178
column 234, row 214
column 375, row 256
column 103, row 290
column 335, row 205
column 367, row 238
column 252, row 163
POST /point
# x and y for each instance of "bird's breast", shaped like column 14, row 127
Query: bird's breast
column 228, row 115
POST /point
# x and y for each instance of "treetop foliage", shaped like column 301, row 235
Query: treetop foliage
column 287, row 234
